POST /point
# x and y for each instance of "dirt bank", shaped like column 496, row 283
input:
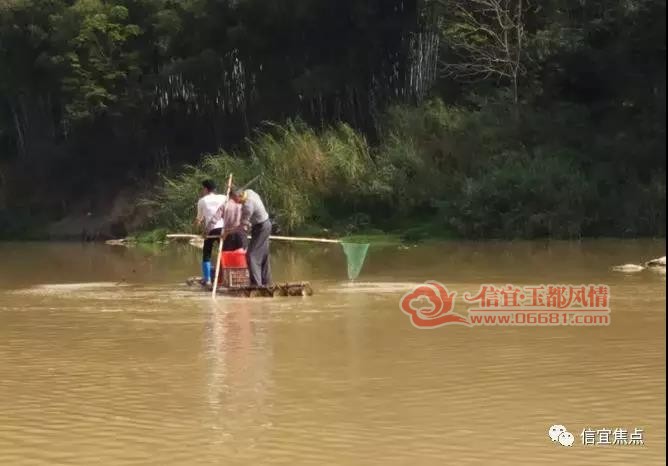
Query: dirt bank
column 113, row 219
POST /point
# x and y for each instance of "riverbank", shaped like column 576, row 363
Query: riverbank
column 89, row 219
column 437, row 171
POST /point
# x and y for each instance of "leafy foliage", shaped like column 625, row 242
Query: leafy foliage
column 305, row 177
column 564, row 135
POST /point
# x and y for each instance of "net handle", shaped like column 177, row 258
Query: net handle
column 301, row 238
column 281, row 238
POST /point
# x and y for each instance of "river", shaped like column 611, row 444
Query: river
column 108, row 358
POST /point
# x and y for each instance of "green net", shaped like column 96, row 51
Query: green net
column 355, row 255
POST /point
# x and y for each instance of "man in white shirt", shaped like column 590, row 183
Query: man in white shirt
column 207, row 206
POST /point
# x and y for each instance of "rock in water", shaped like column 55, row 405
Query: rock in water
column 197, row 242
column 659, row 262
column 628, row 268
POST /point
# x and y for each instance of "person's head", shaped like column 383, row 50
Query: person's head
column 208, row 186
column 238, row 195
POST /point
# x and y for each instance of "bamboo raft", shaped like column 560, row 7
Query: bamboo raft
column 275, row 290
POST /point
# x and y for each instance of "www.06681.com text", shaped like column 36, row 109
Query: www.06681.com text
column 432, row 305
column 543, row 317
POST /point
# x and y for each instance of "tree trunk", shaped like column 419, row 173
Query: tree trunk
column 26, row 125
column 516, row 100
column 3, row 189
column 20, row 141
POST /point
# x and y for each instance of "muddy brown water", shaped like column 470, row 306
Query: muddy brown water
column 107, row 358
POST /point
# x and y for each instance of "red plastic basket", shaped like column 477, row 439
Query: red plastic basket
column 233, row 259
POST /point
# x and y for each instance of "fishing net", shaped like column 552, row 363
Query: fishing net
column 355, row 255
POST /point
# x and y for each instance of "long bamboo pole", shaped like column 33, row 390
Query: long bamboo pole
column 280, row 238
column 221, row 238
column 301, row 238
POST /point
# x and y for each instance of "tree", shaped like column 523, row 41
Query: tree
column 488, row 39
column 28, row 86
column 98, row 63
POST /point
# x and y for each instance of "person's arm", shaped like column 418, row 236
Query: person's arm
column 220, row 214
column 247, row 209
column 200, row 214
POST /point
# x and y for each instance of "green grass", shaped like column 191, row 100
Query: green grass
column 374, row 239
column 306, row 177
column 439, row 172
column 426, row 231
column 158, row 235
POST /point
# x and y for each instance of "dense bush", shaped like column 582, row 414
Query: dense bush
column 96, row 97
column 306, row 178
column 438, row 170
column 522, row 196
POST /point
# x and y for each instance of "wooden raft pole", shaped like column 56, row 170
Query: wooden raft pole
column 220, row 242
column 280, row 238
column 298, row 238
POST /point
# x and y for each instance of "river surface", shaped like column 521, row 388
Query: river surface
column 108, row 358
